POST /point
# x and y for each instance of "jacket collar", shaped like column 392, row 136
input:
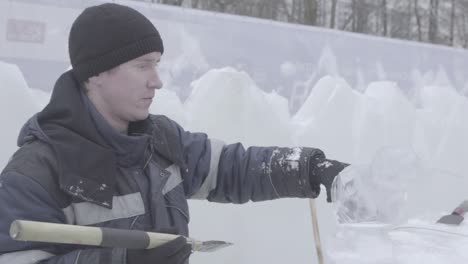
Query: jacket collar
column 87, row 161
column 87, row 165
column 129, row 149
column 88, row 155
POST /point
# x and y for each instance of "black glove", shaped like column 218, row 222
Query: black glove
column 176, row 251
column 323, row 171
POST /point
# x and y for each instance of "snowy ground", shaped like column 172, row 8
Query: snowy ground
column 348, row 125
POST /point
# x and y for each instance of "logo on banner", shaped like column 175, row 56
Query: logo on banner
column 30, row 31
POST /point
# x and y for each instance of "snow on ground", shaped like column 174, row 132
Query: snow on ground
column 348, row 125
column 419, row 241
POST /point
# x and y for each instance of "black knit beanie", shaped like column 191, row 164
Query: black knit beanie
column 107, row 35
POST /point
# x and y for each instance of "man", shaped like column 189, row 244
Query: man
column 94, row 156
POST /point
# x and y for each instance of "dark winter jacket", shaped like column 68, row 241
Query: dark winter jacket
column 73, row 168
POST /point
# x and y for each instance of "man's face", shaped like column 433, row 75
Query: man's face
column 125, row 93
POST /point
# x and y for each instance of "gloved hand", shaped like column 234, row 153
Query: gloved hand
column 323, row 171
column 176, row 251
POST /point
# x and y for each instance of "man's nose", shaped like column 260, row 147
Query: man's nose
column 154, row 81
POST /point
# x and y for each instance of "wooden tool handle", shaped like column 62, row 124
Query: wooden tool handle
column 55, row 233
column 318, row 244
column 84, row 235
